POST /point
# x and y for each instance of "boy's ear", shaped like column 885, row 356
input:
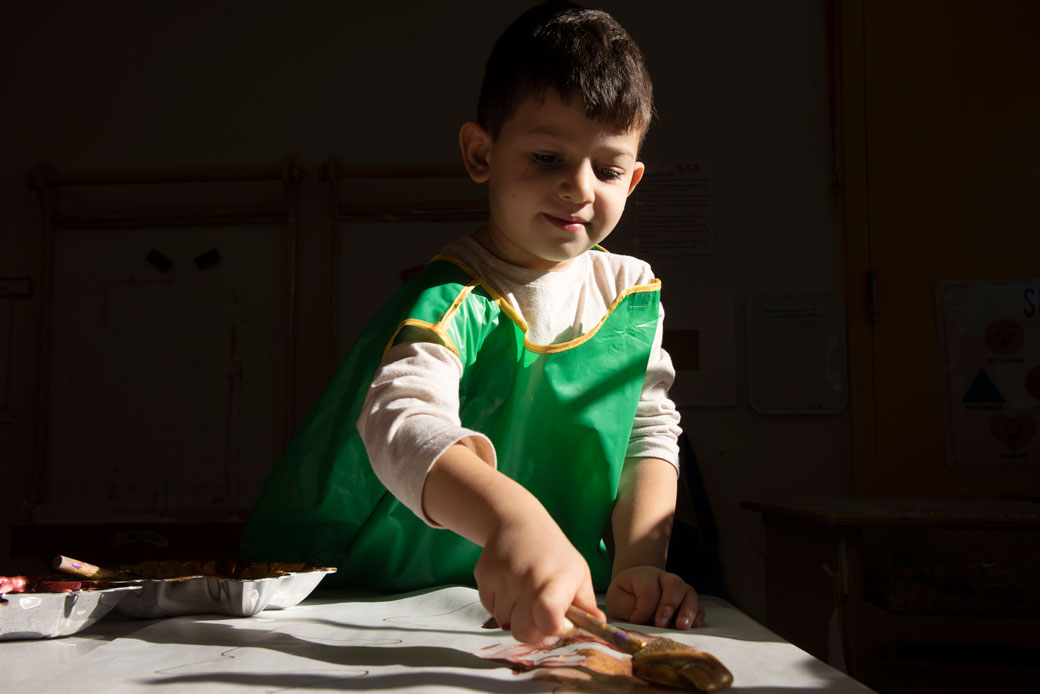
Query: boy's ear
column 637, row 175
column 475, row 142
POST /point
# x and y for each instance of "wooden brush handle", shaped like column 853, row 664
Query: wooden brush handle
column 82, row 568
column 618, row 638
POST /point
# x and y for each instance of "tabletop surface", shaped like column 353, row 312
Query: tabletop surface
column 429, row 641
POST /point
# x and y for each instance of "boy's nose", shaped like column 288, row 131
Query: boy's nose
column 577, row 184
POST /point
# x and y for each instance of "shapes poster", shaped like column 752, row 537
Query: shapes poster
column 989, row 339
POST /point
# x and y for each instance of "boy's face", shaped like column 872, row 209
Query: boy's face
column 557, row 183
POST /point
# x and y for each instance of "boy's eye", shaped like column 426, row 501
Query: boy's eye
column 545, row 159
column 607, row 174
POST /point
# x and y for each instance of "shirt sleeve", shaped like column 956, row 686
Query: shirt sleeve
column 655, row 430
column 411, row 416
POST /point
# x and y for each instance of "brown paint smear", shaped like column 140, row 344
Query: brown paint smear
column 579, row 663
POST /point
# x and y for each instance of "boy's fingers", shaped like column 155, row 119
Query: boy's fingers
column 691, row 612
column 621, row 600
column 487, row 599
column 647, row 591
column 674, row 591
column 524, row 626
column 548, row 607
column 586, row 600
column 504, row 608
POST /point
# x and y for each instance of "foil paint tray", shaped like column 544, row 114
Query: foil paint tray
column 214, row 594
column 54, row 614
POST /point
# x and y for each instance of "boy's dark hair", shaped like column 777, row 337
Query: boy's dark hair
column 581, row 53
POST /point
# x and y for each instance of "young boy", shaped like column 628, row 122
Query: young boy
column 511, row 402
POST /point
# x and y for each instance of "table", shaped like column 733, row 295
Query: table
column 915, row 594
column 428, row 641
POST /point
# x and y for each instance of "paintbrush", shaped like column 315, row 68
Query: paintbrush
column 82, row 568
column 659, row 660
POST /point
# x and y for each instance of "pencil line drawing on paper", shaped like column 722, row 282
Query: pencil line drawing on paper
column 406, row 619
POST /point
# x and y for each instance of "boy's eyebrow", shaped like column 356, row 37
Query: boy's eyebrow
column 559, row 135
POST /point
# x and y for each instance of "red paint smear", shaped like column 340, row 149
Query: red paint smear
column 45, row 584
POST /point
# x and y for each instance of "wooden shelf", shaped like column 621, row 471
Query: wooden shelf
column 888, row 650
column 866, row 512
column 953, row 629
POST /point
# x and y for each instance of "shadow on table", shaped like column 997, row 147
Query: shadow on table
column 352, row 651
column 347, row 664
column 361, row 680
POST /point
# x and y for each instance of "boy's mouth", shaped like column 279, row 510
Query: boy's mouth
column 572, row 225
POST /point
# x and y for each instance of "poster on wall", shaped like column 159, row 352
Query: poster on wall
column 989, row 340
column 796, row 354
column 675, row 211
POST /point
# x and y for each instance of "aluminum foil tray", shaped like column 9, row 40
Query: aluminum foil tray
column 216, row 594
column 295, row 586
column 50, row 615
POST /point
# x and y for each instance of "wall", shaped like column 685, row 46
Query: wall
column 742, row 86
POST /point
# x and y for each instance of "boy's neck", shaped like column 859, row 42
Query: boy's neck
column 484, row 238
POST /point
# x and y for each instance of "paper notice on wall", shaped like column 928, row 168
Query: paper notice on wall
column 675, row 210
column 989, row 339
column 796, row 357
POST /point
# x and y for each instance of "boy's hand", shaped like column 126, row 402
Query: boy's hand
column 529, row 572
column 527, row 576
column 648, row 595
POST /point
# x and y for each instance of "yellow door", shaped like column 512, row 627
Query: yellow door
column 940, row 104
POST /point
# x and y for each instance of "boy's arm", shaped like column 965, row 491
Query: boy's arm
column 528, row 572
column 641, row 589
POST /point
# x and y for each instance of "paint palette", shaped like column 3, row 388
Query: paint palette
column 181, row 588
column 50, row 614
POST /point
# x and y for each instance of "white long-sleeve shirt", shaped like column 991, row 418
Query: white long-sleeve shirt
column 411, row 413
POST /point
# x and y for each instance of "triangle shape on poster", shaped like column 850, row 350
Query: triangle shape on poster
column 982, row 389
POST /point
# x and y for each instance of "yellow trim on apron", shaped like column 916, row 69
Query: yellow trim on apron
column 506, row 308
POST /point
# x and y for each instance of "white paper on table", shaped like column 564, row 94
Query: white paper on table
column 420, row 642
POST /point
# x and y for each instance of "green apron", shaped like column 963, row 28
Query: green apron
column 560, row 417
